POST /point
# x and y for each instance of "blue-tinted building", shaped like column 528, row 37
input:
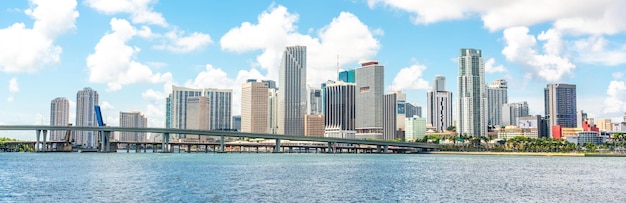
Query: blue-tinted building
column 347, row 76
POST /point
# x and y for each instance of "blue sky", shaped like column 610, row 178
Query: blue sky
column 132, row 51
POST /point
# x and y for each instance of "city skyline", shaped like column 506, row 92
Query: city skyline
column 133, row 62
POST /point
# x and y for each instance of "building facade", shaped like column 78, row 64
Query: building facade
column 133, row 119
column 254, row 108
column 439, row 104
column 86, row 100
column 560, row 105
column 472, row 97
column 314, row 125
column 314, row 100
column 369, row 100
column 198, row 116
column 415, row 128
column 394, row 115
column 292, row 92
column 511, row 112
column 236, row 123
column 348, row 76
column 59, row 116
column 413, row 109
column 272, row 110
column 221, row 107
column 496, row 97
column 580, row 117
column 339, row 114
column 177, row 108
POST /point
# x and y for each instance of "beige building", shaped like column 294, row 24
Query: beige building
column 314, row 125
column 254, row 107
column 197, row 116
column 605, row 125
column 133, row 119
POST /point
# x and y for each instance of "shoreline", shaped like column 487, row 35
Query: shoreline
column 528, row 154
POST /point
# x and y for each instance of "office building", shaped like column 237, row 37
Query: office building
column 472, row 97
column 254, row 108
column 496, row 97
column 413, row 109
column 292, row 92
column 198, row 116
column 86, row 100
column 314, row 125
column 323, row 88
column 221, row 107
column 177, row 106
column 339, row 115
column 236, row 123
column 59, row 116
column 605, row 125
column 369, row 100
column 415, row 128
column 512, row 111
column 534, row 123
column 348, row 76
column 560, row 105
column 439, row 104
column 272, row 110
column 394, row 115
column 314, row 100
column 133, row 119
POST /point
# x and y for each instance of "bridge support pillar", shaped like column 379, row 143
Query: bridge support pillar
column 188, row 148
column 378, row 148
column 105, row 141
column 37, row 141
column 165, row 142
column 386, row 149
column 44, row 147
column 222, row 143
column 277, row 146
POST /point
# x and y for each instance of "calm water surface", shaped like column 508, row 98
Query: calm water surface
column 121, row 177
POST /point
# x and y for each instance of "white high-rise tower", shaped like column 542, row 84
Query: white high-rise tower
column 292, row 92
column 59, row 116
column 496, row 97
column 439, row 113
column 86, row 100
column 472, row 97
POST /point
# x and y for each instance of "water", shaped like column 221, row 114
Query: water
column 121, row 177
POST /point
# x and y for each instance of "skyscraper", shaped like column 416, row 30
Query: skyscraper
column 133, row 119
column 221, row 107
column 86, row 100
column 580, row 117
column 339, row 115
column 59, row 116
column 347, row 76
column 197, row 116
column 496, row 97
column 292, row 91
column 560, row 105
column 394, row 115
column 439, row 102
column 254, row 108
column 236, row 123
column 512, row 111
column 369, row 100
column 314, row 100
column 472, row 102
column 178, row 106
column 272, row 110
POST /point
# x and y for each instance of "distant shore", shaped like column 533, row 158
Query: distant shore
column 530, row 154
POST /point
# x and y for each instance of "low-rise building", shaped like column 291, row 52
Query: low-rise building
column 586, row 137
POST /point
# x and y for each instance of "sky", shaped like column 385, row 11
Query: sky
column 133, row 51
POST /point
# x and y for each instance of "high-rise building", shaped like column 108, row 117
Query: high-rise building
column 496, row 97
column 178, row 105
column 512, row 111
column 560, row 105
column 59, row 116
column 369, row 100
column 198, row 116
column 270, row 84
column 236, row 123
column 472, row 101
column 314, row 101
column 339, row 115
column 221, row 107
column 439, row 102
column 605, row 125
column 413, row 109
column 168, row 111
column 314, row 125
column 415, row 128
column 580, row 117
column 394, row 114
column 272, row 110
column 323, row 88
column 86, row 100
column 292, row 92
column 347, row 76
column 133, row 119
column 254, row 108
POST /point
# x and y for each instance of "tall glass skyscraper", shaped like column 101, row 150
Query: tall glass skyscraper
column 292, row 92
column 560, row 105
column 86, row 100
column 439, row 113
column 472, row 101
column 496, row 96
column 59, row 116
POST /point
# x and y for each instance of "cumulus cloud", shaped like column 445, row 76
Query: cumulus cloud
column 113, row 60
column 615, row 101
column 491, row 67
column 14, row 87
column 521, row 48
column 28, row 49
column 140, row 10
column 595, row 49
column 577, row 16
column 177, row 42
column 345, row 37
column 410, row 78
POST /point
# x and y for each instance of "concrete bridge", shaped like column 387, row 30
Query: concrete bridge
column 105, row 135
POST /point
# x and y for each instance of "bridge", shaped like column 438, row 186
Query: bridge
column 105, row 133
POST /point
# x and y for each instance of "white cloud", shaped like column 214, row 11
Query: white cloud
column 177, row 42
column 14, row 87
column 618, row 75
column 113, row 60
column 575, row 16
column 140, row 10
column 10, row 99
column 615, row 102
column 345, row 37
column 27, row 50
column 491, row 67
column 105, row 105
column 521, row 48
column 410, row 78
column 594, row 50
